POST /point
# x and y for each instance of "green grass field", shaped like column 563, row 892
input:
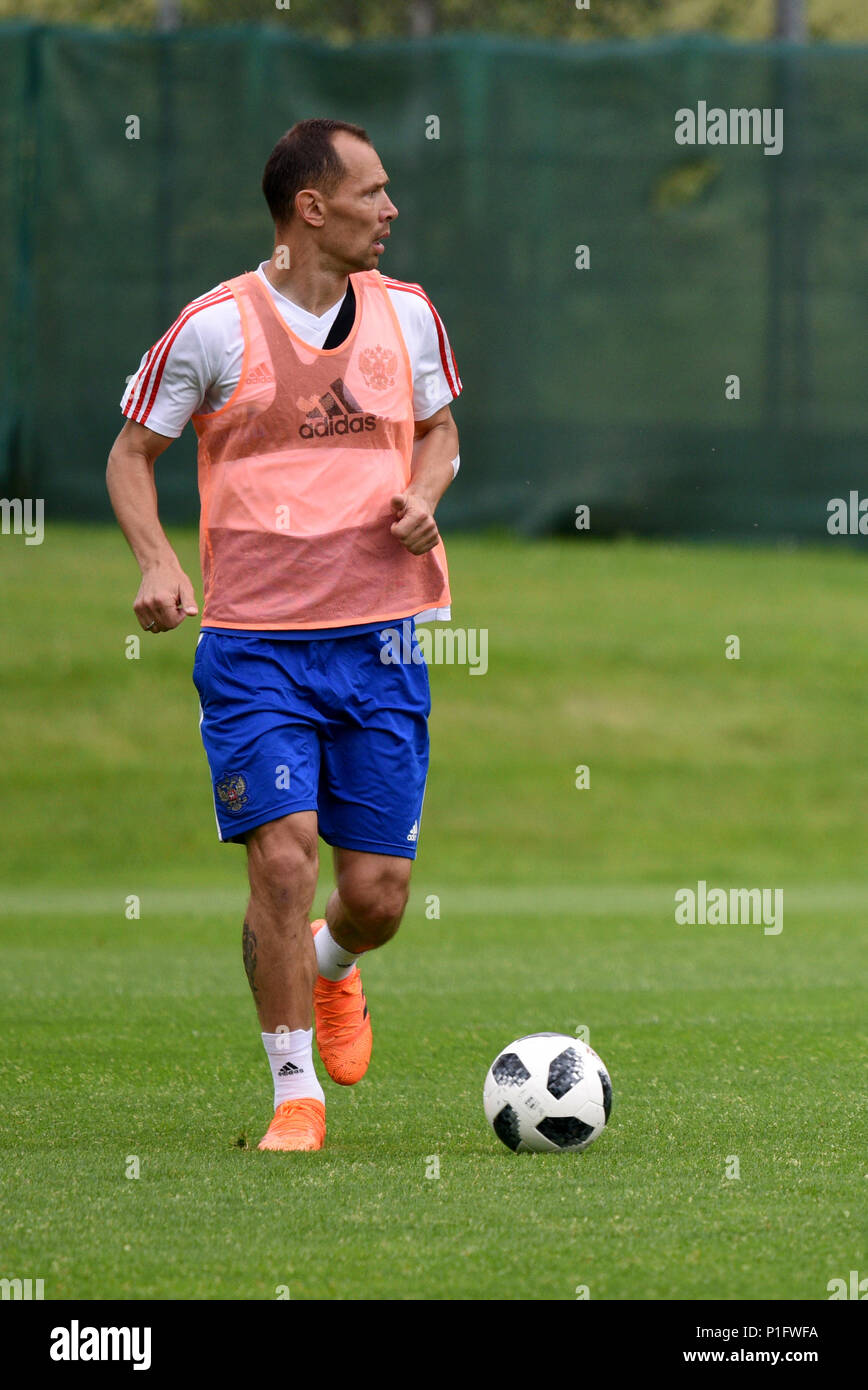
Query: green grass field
column 138, row 1037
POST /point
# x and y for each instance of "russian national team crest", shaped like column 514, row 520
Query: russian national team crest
column 232, row 791
column 378, row 366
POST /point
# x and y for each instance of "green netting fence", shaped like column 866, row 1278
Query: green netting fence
column 602, row 386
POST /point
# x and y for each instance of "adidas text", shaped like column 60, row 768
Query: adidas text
column 344, row 424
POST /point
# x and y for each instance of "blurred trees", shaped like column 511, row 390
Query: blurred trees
column 343, row 21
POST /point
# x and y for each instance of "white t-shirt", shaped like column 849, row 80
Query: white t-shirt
column 196, row 365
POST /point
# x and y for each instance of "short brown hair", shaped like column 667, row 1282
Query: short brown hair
column 304, row 158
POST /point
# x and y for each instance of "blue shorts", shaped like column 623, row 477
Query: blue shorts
column 316, row 725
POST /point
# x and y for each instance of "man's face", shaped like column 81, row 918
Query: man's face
column 359, row 213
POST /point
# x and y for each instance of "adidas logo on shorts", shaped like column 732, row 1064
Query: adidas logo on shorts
column 414, row 833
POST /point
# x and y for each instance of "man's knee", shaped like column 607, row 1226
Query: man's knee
column 374, row 898
column 282, row 858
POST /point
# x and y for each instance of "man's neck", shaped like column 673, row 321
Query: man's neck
column 312, row 289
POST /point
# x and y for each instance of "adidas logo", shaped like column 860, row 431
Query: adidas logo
column 289, row 1069
column 335, row 412
column 414, row 833
column 260, row 374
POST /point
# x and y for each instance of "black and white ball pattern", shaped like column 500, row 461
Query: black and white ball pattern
column 546, row 1093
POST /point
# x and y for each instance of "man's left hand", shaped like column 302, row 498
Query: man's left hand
column 414, row 526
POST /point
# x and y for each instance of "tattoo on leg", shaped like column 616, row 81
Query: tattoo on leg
column 248, row 946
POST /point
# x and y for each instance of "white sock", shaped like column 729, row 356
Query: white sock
column 290, row 1056
column 334, row 962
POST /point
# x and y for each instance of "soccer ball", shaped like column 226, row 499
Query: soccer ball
column 547, row 1092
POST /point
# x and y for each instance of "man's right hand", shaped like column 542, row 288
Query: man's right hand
column 165, row 598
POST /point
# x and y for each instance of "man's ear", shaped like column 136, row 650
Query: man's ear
column 310, row 207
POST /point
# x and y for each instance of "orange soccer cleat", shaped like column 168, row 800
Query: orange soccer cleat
column 343, row 1024
column 298, row 1125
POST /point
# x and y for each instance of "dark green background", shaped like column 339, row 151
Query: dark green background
column 603, row 387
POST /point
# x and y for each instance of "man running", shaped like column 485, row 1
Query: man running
column 320, row 393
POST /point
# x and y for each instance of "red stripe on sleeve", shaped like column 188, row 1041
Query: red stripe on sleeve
column 442, row 339
column 159, row 355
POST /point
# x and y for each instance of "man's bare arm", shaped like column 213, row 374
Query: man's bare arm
column 166, row 594
column 435, row 447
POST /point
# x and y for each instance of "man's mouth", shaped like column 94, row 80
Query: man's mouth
column 379, row 245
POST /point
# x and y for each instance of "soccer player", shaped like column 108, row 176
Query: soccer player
column 320, row 393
